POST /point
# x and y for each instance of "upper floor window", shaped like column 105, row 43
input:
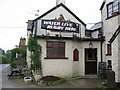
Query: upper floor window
column 113, row 8
column 88, row 33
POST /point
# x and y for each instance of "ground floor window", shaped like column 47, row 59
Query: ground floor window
column 75, row 55
column 55, row 49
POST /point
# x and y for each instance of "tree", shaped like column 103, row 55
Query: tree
column 4, row 60
column 35, row 50
column 19, row 51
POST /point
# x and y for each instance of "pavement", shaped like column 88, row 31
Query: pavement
column 18, row 82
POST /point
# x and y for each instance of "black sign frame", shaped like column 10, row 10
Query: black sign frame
column 63, row 26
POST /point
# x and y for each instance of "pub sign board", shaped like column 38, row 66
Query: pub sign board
column 102, row 67
column 63, row 26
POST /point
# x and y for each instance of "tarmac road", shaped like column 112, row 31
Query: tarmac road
column 15, row 82
column 18, row 82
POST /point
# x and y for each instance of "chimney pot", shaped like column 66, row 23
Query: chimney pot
column 60, row 1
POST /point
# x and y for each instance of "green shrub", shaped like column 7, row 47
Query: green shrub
column 13, row 64
column 102, row 86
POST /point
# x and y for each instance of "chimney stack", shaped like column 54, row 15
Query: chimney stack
column 60, row 1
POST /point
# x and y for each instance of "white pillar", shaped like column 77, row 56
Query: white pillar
column 60, row 1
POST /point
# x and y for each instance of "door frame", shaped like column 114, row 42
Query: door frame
column 96, row 70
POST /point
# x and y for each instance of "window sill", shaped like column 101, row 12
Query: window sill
column 108, row 54
column 56, row 58
column 76, row 61
column 112, row 16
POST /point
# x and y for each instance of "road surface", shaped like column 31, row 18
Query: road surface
column 2, row 67
column 18, row 82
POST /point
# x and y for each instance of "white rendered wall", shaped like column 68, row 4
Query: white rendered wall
column 66, row 67
column 109, row 27
column 95, row 34
column 28, row 52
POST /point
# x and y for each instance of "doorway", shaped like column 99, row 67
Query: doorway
column 91, row 61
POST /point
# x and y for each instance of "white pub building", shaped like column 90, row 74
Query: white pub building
column 69, row 49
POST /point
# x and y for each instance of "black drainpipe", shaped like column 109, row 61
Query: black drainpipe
column 101, row 51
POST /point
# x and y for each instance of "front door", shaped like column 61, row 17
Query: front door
column 91, row 61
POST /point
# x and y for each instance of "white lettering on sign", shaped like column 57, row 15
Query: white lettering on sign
column 49, row 27
column 70, row 29
column 55, row 27
column 52, row 23
column 66, row 24
column 60, row 25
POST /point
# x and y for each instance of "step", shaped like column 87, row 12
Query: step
column 83, row 77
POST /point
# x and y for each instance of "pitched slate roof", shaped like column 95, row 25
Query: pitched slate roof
column 96, row 26
column 58, row 7
column 29, row 25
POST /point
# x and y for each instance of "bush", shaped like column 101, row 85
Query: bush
column 103, row 85
column 13, row 64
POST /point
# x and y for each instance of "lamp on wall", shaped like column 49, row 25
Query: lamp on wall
column 90, row 44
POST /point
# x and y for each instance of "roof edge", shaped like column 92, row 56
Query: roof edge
column 102, row 5
column 61, row 4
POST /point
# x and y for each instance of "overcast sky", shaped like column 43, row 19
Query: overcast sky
column 15, row 13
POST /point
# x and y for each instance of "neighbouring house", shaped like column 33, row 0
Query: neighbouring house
column 20, row 53
column 110, row 15
column 22, row 43
column 68, row 49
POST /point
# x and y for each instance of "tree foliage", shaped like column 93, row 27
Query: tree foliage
column 4, row 59
column 35, row 50
column 19, row 51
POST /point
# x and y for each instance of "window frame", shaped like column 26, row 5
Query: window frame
column 109, row 49
column 113, row 13
column 53, row 47
column 76, row 55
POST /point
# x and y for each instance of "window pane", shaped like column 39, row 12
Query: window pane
column 110, row 6
column 49, row 43
column 49, row 52
column 109, row 51
column 115, row 8
column 115, row 3
column 76, row 55
column 110, row 14
column 90, row 56
column 116, row 11
column 56, row 51
column 61, row 52
column 55, row 44
column 110, row 10
column 62, row 44
column 87, row 33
